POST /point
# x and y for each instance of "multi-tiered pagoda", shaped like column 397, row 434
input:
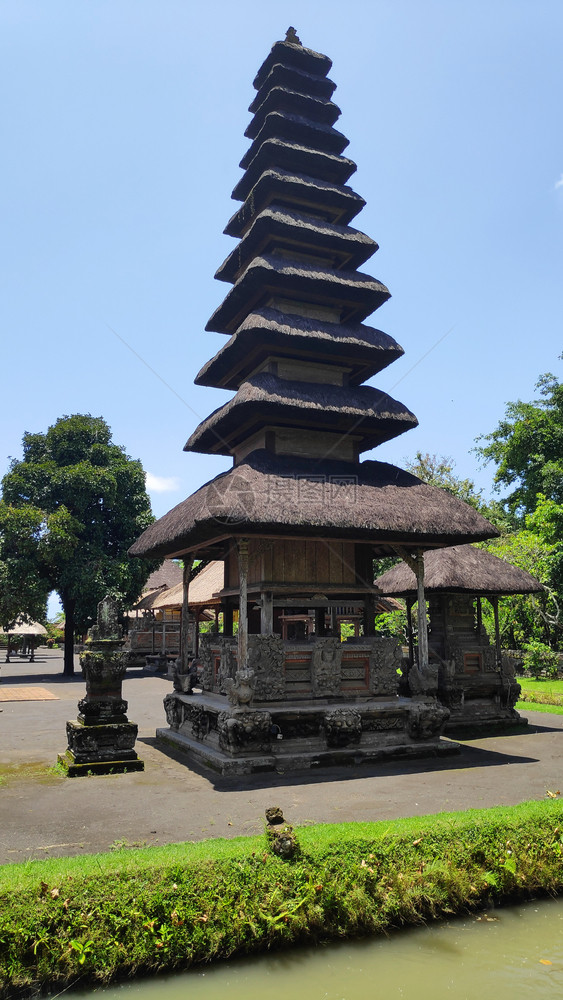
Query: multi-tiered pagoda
column 298, row 519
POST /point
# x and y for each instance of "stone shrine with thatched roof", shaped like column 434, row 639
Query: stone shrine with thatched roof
column 299, row 518
column 475, row 682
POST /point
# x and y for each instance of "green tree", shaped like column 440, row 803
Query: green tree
column 92, row 504
column 439, row 471
column 527, row 448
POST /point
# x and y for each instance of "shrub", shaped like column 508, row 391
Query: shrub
column 540, row 659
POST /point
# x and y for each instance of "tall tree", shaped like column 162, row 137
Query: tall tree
column 527, row 448
column 438, row 470
column 93, row 505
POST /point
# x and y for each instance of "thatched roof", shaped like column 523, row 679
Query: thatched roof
column 208, row 582
column 278, row 226
column 460, row 569
column 370, row 414
column 24, row 628
column 269, row 494
column 295, row 158
column 294, row 79
column 297, row 56
column 286, row 100
column 362, row 350
column 335, row 201
column 168, row 574
column 354, row 293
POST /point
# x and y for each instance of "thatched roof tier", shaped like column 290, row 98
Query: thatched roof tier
column 461, row 569
column 267, row 494
column 292, row 157
column 361, row 350
column 334, row 202
column 296, row 56
column 168, row 574
column 353, row 294
column 294, row 128
column 284, row 100
column 279, row 228
column 202, row 591
column 265, row 399
column 295, row 79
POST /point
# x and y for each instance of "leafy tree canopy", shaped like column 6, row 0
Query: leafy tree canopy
column 439, row 471
column 527, row 448
column 88, row 502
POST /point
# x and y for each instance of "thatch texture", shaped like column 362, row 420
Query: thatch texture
column 168, row 574
column 286, row 100
column 285, row 186
column 278, row 227
column 355, row 294
column 294, row 79
column 363, row 350
column 272, row 495
column 460, row 569
column 297, row 56
column 24, row 628
column 202, row 589
column 294, row 158
column 370, row 414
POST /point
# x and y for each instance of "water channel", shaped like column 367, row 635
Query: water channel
column 507, row 954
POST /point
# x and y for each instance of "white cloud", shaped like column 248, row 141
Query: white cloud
column 559, row 183
column 161, row 484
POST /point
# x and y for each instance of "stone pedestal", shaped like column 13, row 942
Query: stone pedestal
column 102, row 740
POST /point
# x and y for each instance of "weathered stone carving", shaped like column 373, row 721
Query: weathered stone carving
column 426, row 720
column 326, row 667
column 102, row 738
column 245, row 731
column 266, row 657
column 385, row 660
column 206, row 657
column 382, row 723
column 423, row 683
column 240, row 691
column 227, row 663
column 174, row 711
column 342, row 727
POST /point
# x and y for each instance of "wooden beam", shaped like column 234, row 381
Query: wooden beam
column 416, row 563
column 185, row 616
column 494, row 602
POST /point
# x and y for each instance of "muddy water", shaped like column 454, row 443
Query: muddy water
column 510, row 954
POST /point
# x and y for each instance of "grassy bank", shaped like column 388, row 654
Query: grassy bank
column 116, row 915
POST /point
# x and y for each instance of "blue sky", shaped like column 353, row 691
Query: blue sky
column 123, row 126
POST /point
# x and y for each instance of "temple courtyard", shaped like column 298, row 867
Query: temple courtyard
column 46, row 815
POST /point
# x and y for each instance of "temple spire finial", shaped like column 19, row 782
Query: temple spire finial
column 292, row 37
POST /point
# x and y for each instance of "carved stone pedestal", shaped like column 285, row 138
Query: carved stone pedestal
column 102, row 740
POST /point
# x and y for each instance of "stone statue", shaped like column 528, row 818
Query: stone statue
column 240, row 691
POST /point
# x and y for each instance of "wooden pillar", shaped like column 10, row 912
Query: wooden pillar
column 163, row 647
column 410, row 636
column 185, row 616
column 494, row 602
column 421, row 614
column 369, row 615
column 320, row 626
column 479, row 615
column 242, row 551
column 227, row 618
column 196, row 632
column 267, row 613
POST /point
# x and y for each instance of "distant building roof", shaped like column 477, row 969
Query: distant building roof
column 460, row 569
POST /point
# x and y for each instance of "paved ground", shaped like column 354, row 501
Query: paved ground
column 45, row 815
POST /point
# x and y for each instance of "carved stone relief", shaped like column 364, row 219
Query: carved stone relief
column 326, row 667
column 266, row 658
column 342, row 727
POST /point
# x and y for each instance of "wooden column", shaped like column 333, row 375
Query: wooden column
column 227, row 618
column 369, row 615
column 421, row 613
column 163, row 644
column 494, row 602
column 267, row 613
column 242, row 551
column 185, row 616
column 410, row 636
column 479, row 615
column 320, row 626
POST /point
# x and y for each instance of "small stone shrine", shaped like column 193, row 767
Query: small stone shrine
column 102, row 739
column 298, row 519
column 475, row 683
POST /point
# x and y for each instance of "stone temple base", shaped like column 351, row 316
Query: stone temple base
column 482, row 718
column 301, row 736
column 103, row 749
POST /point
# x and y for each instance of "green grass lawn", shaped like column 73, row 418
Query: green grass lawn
column 541, row 695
